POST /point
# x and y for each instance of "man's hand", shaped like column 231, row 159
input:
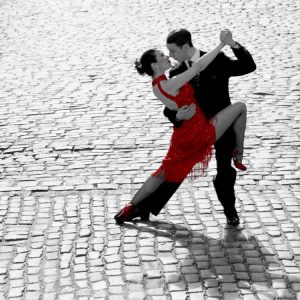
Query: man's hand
column 186, row 112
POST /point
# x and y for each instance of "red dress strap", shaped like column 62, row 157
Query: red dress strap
column 157, row 81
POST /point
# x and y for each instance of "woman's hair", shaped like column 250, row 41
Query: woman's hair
column 179, row 37
column 143, row 65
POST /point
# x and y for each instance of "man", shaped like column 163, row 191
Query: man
column 212, row 93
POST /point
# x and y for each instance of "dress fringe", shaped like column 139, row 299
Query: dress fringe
column 177, row 170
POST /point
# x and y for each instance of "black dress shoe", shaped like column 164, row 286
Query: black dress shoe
column 233, row 220
column 144, row 215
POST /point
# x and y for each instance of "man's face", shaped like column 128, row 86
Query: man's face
column 178, row 52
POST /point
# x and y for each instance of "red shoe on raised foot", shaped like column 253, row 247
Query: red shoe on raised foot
column 124, row 214
column 237, row 164
column 240, row 166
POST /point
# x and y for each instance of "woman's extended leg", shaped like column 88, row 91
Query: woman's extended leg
column 236, row 115
column 149, row 187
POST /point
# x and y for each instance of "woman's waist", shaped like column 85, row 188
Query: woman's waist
column 198, row 118
column 193, row 126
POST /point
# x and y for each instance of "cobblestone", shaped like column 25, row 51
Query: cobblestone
column 80, row 132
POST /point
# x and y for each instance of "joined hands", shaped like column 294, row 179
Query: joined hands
column 226, row 38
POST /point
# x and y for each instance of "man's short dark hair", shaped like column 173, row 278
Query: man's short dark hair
column 179, row 37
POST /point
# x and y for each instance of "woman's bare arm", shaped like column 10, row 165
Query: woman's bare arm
column 172, row 85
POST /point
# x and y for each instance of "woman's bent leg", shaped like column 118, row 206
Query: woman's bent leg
column 235, row 115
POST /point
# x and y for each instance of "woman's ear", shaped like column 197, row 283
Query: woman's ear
column 154, row 66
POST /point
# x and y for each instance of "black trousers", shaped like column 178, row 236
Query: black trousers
column 223, row 182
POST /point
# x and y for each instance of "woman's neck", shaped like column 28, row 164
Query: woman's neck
column 157, row 74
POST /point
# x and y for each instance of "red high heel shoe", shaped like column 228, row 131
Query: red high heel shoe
column 124, row 214
column 237, row 164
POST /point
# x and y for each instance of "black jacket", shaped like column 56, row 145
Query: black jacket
column 212, row 92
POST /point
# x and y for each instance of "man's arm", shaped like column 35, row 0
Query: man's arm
column 244, row 64
column 171, row 115
column 184, row 113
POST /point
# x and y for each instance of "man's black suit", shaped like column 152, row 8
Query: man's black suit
column 211, row 92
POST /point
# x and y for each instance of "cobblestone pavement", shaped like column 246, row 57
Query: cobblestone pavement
column 80, row 132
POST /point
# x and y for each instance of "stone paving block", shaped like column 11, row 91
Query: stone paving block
column 229, row 287
column 50, row 296
column 228, row 295
column 117, row 297
column 172, row 277
column 191, row 278
column 156, row 292
column 213, row 292
column 250, row 297
column 156, row 297
column 284, row 294
column 15, row 292
column 178, row 295
column 136, row 296
column 295, row 287
column 196, row 296
column 266, row 296
column 170, row 268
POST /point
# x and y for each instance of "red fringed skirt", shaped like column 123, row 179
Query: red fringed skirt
column 190, row 149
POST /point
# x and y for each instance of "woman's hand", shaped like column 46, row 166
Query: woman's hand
column 186, row 112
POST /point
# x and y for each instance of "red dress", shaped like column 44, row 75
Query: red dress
column 191, row 143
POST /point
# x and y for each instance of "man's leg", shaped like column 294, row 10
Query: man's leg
column 226, row 175
column 156, row 201
column 150, row 198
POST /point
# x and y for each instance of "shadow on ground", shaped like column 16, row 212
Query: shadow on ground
column 191, row 261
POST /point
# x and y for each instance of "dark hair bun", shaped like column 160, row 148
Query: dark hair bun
column 139, row 67
column 143, row 65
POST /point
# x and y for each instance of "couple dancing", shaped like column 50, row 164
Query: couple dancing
column 197, row 103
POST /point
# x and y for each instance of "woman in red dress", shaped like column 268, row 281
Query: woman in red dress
column 192, row 143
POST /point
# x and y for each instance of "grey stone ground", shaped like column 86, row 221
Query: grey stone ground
column 80, row 132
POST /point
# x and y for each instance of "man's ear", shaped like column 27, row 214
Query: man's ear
column 185, row 47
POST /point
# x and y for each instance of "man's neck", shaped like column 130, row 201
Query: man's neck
column 191, row 52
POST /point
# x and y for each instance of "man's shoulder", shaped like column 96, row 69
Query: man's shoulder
column 221, row 56
column 218, row 63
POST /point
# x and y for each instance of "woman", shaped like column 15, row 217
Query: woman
column 191, row 143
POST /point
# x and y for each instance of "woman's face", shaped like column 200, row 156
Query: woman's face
column 163, row 61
